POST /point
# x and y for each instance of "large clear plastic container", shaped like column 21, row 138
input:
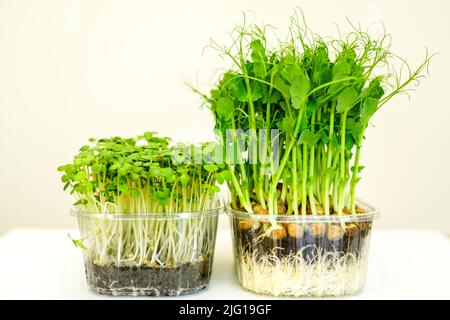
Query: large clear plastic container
column 148, row 254
column 302, row 255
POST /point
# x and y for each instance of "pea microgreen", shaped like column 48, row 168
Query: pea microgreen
column 320, row 93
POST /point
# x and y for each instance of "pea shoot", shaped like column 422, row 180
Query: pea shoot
column 321, row 94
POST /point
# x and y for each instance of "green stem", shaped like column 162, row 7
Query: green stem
column 285, row 158
column 355, row 172
column 342, row 161
column 294, row 182
column 329, row 160
column 312, row 200
column 304, row 177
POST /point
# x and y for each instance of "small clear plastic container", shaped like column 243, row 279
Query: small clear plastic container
column 148, row 254
column 286, row 255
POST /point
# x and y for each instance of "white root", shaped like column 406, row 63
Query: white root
column 152, row 242
column 292, row 275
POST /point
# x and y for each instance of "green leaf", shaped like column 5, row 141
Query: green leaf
column 86, row 161
column 77, row 243
column 350, row 124
column 123, row 171
column 148, row 135
column 287, row 125
column 340, row 68
column 290, row 72
column 259, row 58
column 79, row 176
column 96, row 167
column 335, row 88
column 323, row 76
column 155, row 172
column 134, row 192
column 275, row 96
column 315, row 139
column 66, row 186
column 111, row 187
column 335, row 141
column 80, row 202
column 299, row 90
column 357, row 130
column 282, row 87
column 309, row 138
column 349, row 142
column 258, row 69
column 210, row 167
column 258, row 51
column 323, row 137
column 163, row 194
column 304, row 123
column 184, row 179
column 346, row 99
column 225, row 108
column 311, row 107
column 369, row 108
column 226, row 175
column 255, row 90
column 167, row 172
column 238, row 90
column 375, row 90
column 88, row 186
column 115, row 166
column 360, row 168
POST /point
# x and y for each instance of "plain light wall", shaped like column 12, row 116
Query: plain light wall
column 70, row 70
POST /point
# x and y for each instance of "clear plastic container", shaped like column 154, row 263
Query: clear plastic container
column 302, row 255
column 148, row 254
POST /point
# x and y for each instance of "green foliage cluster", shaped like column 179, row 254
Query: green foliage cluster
column 321, row 94
column 119, row 175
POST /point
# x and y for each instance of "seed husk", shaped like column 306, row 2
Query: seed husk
column 335, row 232
column 258, row 209
column 319, row 209
column 245, row 224
column 360, row 209
column 278, row 233
column 317, row 229
column 351, row 229
column 295, row 230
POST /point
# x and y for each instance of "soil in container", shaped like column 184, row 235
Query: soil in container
column 149, row 281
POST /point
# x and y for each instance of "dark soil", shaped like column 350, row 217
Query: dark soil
column 147, row 281
column 350, row 242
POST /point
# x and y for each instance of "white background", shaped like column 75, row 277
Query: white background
column 70, row 70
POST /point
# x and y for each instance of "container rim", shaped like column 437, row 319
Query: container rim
column 372, row 213
column 77, row 212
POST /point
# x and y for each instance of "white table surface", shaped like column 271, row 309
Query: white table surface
column 43, row 264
